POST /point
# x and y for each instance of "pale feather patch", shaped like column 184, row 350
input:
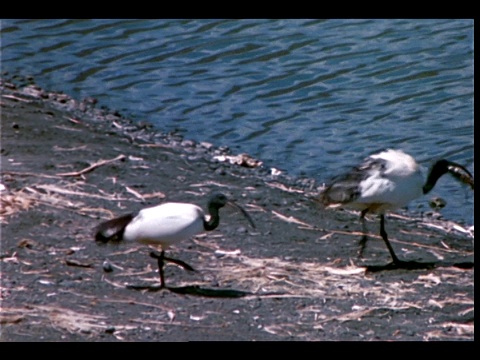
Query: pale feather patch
column 398, row 162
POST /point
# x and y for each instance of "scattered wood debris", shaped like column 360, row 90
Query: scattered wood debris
column 241, row 159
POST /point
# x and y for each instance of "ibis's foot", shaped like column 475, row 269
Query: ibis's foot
column 362, row 243
column 162, row 258
column 400, row 264
column 157, row 254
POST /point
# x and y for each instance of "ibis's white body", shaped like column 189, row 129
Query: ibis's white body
column 387, row 185
column 394, row 186
column 165, row 224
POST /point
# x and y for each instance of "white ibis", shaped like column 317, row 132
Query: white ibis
column 386, row 181
column 164, row 225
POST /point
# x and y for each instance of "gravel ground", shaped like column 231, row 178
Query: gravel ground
column 67, row 165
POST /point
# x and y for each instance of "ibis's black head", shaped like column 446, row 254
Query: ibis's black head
column 442, row 167
column 217, row 201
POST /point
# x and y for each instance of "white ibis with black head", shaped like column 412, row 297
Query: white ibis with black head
column 386, row 181
column 164, row 225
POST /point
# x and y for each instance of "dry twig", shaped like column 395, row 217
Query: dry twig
column 92, row 167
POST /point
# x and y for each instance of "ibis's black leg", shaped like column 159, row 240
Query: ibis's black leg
column 161, row 258
column 383, row 233
column 397, row 263
column 363, row 240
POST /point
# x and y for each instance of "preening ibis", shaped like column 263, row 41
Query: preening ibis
column 386, row 181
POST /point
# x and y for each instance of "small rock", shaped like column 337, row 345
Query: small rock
column 107, row 267
column 188, row 143
column 437, row 203
column 110, row 330
column 206, row 145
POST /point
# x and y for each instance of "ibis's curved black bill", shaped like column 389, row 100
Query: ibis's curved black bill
column 243, row 211
column 461, row 173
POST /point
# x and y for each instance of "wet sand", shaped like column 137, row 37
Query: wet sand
column 68, row 165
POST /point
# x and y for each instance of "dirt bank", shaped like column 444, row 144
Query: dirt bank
column 67, row 165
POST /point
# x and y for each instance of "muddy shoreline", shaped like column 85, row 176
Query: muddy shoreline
column 67, row 164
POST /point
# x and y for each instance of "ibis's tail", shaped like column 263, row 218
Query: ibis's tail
column 112, row 229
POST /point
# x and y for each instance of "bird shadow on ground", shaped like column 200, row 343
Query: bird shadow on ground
column 194, row 290
column 416, row 265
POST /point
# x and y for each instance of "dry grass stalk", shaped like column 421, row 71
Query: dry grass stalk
column 92, row 167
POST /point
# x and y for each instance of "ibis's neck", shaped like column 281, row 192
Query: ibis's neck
column 214, row 220
column 438, row 169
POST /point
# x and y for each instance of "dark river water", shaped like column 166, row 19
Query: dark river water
column 309, row 97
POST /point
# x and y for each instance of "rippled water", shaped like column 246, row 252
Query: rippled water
column 306, row 96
